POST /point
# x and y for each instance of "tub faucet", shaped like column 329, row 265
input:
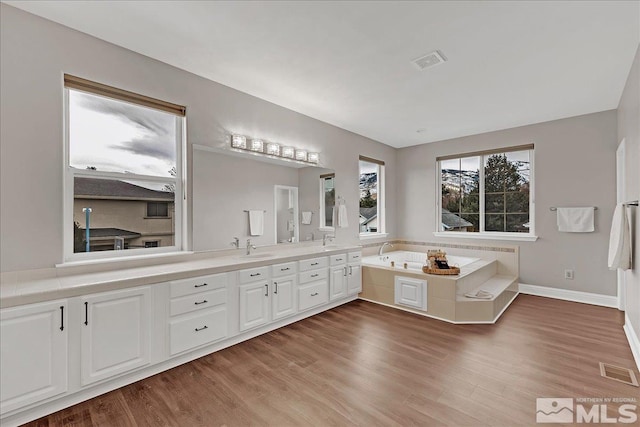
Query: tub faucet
column 327, row 237
column 250, row 246
column 383, row 246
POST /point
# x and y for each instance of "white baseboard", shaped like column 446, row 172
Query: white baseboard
column 567, row 295
column 634, row 340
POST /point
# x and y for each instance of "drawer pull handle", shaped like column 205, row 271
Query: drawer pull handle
column 201, row 329
column 62, row 317
column 314, row 275
column 314, row 294
column 356, row 256
column 345, row 271
column 199, row 286
column 350, row 270
column 254, row 274
column 284, row 269
column 266, row 289
column 86, row 313
column 275, row 291
column 314, row 263
column 338, row 259
column 204, row 301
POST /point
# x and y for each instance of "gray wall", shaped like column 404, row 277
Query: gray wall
column 34, row 55
column 574, row 166
column 629, row 129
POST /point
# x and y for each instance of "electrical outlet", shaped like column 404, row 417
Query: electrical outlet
column 568, row 274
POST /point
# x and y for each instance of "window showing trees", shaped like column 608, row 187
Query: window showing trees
column 123, row 171
column 371, row 196
column 487, row 192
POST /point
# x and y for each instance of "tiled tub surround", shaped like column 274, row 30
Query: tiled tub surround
column 76, row 332
column 494, row 269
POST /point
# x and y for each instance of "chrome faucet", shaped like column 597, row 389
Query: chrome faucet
column 250, row 246
column 383, row 246
column 236, row 243
column 326, row 237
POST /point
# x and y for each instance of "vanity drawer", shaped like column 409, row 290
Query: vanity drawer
column 312, row 295
column 285, row 269
column 355, row 256
column 187, row 332
column 194, row 285
column 252, row 274
column 313, row 263
column 313, row 276
column 198, row 301
column 337, row 259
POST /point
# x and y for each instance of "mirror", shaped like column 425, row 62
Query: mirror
column 286, row 214
column 317, row 195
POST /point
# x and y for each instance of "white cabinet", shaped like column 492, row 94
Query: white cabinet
column 283, row 298
column 254, row 304
column 338, row 277
column 354, row 273
column 197, row 312
column 33, row 359
column 116, row 333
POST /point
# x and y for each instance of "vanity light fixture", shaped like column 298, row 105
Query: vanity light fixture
column 313, row 158
column 257, row 145
column 301, row 155
column 273, row 149
column 239, row 141
column 288, row 152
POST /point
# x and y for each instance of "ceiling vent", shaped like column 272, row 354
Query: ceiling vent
column 429, row 60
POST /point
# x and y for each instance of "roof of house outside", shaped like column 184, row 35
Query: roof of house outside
column 451, row 220
column 105, row 233
column 368, row 213
column 116, row 189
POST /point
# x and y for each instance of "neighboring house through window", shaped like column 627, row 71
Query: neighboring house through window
column 488, row 193
column 372, row 205
column 123, row 172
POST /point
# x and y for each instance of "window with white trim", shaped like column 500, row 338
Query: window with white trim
column 371, row 186
column 123, row 166
column 488, row 193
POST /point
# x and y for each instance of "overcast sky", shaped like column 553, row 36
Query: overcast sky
column 117, row 136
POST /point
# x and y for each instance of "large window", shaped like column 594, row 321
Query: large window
column 123, row 172
column 371, row 197
column 487, row 193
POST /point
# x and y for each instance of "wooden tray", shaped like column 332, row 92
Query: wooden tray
column 453, row 271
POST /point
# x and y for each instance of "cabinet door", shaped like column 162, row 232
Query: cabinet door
column 355, row 279
column 338, row 282
column 254, row 305
column 283, row 297
column 33, row 359
column 116, row 333
column 410, row 292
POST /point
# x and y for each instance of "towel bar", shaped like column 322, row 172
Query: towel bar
column 553, row 208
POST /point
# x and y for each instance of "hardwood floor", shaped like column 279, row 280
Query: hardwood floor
column 365, row 364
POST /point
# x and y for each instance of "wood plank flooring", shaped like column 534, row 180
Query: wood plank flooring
column 363, row 364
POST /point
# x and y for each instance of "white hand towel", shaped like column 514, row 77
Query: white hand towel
column 343, row 220
column 256, row 222
column 575, row 220
column 290, row 226
column 306, row 217
column 620, row 240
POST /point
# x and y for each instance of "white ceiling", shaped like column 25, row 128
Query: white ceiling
column 510, row 63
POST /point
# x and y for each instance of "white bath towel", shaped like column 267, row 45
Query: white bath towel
column 343, row 220
column 620, row 240
column 575, row 220
column 256, row 222
column 480, row 294
column 306, row 217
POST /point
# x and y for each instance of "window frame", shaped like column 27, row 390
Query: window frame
column 70, row 173
column 322, row 218
column 147, row 216
column 381, row 200
column 482, row 234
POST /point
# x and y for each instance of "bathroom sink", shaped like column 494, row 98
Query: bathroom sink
column 258, row 255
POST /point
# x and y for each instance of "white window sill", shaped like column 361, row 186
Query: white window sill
column 487, row 236
column 369, row 236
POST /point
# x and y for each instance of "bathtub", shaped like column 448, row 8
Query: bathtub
column 414, row 260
